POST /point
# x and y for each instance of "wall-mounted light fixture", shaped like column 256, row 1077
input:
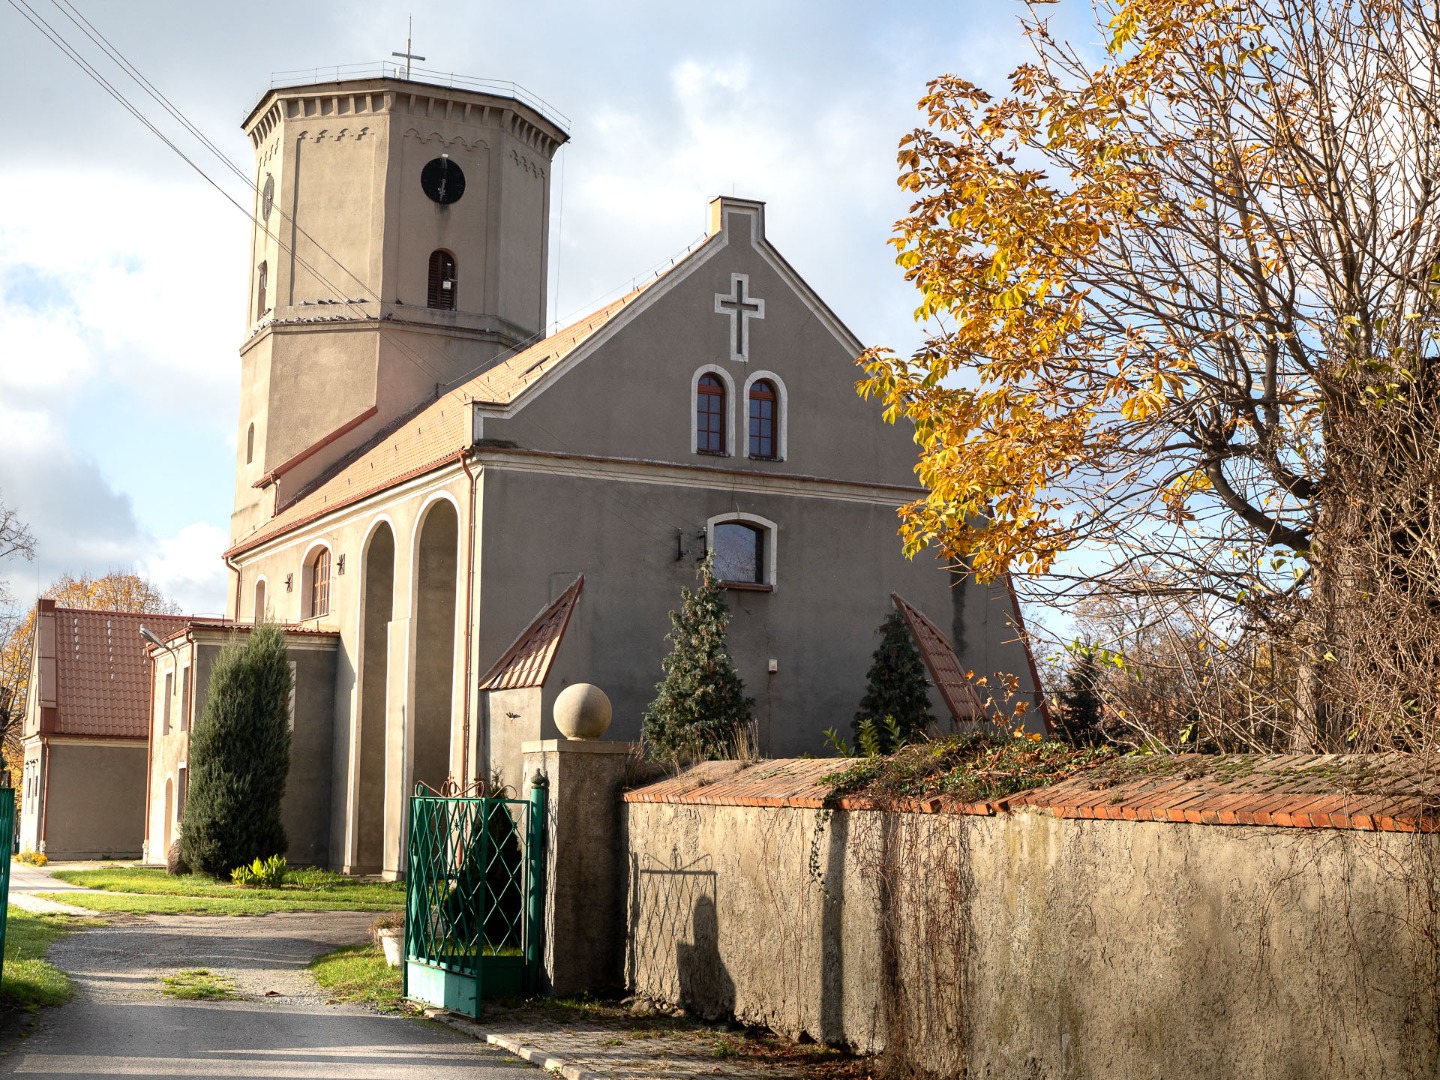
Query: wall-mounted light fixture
column 339, row 565
column 289, row 582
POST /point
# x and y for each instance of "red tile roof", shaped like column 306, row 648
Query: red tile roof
column 242, row 628
column 527, row 661
column 1381, row 792
column 101, row 671
column 437, row 433
column 940, row 660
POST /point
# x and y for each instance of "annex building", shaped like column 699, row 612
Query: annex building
column 466, row 515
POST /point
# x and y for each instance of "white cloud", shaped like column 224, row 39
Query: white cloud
column 188, row 569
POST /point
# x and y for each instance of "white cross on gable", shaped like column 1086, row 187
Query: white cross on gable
column 741, row 309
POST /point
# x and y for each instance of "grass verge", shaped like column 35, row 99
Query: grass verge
column 358, row 974
column 29, row 980
column 154, row 892
column 197, row 984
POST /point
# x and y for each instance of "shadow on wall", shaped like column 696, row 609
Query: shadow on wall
column 664, row 899
column 705, row 986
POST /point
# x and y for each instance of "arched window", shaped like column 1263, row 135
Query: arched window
column 764, row 420
column 709, row 415
column 259, row 600
column 739, row 551
column 743, row 546
column 319, row 580
column 442, row 281
column 262, row 280
column 250, row 444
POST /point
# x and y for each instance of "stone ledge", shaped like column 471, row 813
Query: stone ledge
column 576, row 746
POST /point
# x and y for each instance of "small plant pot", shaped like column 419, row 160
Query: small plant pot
column 390, row 942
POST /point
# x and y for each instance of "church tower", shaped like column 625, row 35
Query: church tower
column 400, row 242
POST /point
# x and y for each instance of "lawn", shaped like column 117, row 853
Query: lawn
column 358, row 973
column 154, row 892
column 28, row 980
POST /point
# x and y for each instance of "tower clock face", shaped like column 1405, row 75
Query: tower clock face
column 443, row 181
column 267, row 197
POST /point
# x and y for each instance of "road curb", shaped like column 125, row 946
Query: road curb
column 539, row 1058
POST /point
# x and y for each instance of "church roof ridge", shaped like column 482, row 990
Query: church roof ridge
column 437, row 431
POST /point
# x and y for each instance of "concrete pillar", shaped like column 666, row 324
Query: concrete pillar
column 584, row 935
column 399, row 697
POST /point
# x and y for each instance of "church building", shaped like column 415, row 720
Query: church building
column 481, row 514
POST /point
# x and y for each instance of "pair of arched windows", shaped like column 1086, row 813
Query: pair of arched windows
column 764, row 410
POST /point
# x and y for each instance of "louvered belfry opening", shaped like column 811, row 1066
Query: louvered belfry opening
column 442, row 281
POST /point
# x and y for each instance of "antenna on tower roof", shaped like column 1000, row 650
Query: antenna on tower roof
column 409, row 53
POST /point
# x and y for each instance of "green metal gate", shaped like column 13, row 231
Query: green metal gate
column 475, row 875
column 7, row 844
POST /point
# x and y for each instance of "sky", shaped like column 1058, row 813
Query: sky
column 123, row 272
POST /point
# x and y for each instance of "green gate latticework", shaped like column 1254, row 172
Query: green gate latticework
column 7, row 844
column 474, row 883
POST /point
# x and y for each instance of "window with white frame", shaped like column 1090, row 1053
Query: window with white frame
column 743, row 546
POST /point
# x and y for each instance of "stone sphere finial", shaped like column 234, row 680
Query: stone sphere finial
column 582, row 711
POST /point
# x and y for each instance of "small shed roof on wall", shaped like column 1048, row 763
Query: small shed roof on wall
column 944, row 667
column 101, row 673
column 527, row 661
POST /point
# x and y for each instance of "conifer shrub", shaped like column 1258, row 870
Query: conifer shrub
column 896, row 707
column 1081, row 709
column 700, row 709
column 239, row 757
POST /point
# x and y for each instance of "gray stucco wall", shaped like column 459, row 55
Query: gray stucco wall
column 1029, row 946
column 837, row 562
column 96, row 797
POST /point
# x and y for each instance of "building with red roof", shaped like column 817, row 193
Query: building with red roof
column 86, row 732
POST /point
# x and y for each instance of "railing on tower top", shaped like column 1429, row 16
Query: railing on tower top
column 385, row 69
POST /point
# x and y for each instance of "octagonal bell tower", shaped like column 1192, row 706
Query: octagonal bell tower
column 400, row 242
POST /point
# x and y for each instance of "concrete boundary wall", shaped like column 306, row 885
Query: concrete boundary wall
column 1037, row 944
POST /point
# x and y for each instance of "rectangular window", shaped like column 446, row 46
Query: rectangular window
column 165, row 706
column 182, row 786
column 185, row 698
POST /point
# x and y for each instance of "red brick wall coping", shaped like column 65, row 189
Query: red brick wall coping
column 1382, row 792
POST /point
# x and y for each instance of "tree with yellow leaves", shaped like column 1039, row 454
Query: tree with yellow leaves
column 1185, row 312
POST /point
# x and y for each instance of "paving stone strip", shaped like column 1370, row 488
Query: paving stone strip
column 601, row 1052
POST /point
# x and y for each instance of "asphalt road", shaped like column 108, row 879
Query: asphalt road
column 119, row 1025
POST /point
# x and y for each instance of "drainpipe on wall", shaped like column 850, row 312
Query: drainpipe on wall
column 149, row 753
column 469, row 602
column 44, row 792
column 236, row 569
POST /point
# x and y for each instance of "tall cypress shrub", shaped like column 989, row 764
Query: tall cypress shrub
column 1081, row 709
column 700, row 708
column 239, row 757
column 897, row 690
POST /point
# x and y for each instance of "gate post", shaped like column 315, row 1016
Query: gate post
column 585, row 865
column 535, row 875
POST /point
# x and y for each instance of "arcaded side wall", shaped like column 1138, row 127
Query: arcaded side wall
column 1029, row 945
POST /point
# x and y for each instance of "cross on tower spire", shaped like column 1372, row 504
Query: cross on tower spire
column 409, row 53
column 741, row 309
